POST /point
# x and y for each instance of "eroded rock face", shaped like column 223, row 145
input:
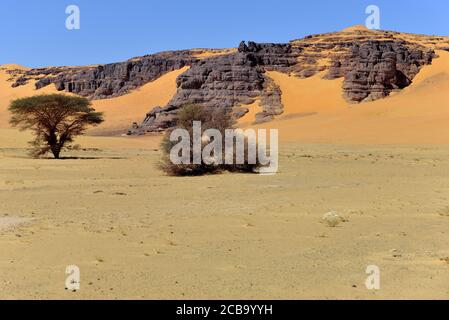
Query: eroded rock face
column 223, row 81
column 372, row 63
column 156, row 120
column 110, row 80
column 376, row 68
column 228, row 81
column 234, row 79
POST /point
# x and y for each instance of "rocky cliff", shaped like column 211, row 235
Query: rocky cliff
column 372, row 63
column 110, row 80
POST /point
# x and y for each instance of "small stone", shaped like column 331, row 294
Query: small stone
column 333, row 219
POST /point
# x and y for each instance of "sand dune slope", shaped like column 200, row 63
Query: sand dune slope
column 316, row 112
column 119, row 112
column 122, row 111
column 7, row 93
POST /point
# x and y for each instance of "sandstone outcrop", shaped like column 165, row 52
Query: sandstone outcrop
column 376, row 68
column 372, row 63
column 110, row 80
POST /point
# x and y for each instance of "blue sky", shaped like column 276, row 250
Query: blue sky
column 33, row 33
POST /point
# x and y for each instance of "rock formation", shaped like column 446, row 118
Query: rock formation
column 228, row 81
column 110, row 80
column 375, row 68
column 372, row 63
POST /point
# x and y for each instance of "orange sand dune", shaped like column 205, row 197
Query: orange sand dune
column 207, row 53
column 357, row 27
column 122, row 111
column 316, row 112
column 249, row 118
column 7, row 93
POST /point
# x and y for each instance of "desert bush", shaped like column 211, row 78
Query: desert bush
column 220, row 119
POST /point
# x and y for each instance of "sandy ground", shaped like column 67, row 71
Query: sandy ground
column 136, row 233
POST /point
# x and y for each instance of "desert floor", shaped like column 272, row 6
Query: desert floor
column 136, row 233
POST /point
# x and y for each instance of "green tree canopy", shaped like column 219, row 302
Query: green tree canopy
column 55, row 119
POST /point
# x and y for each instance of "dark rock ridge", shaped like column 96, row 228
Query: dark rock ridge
column 372, row 63
column 110, row 80
column 228, row 81
column 374, row 69
column 234, row 79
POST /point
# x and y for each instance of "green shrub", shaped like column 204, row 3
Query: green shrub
column 210, row 118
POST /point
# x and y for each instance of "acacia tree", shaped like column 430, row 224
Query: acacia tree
column 55, row 119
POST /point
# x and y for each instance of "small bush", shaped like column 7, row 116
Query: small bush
column 210, row 118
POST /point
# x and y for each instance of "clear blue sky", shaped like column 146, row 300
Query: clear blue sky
column 33, row 33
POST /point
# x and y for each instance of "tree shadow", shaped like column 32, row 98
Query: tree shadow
column 87, row 158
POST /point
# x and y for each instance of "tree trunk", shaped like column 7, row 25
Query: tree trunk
column 54, row 145
column 56, row 151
